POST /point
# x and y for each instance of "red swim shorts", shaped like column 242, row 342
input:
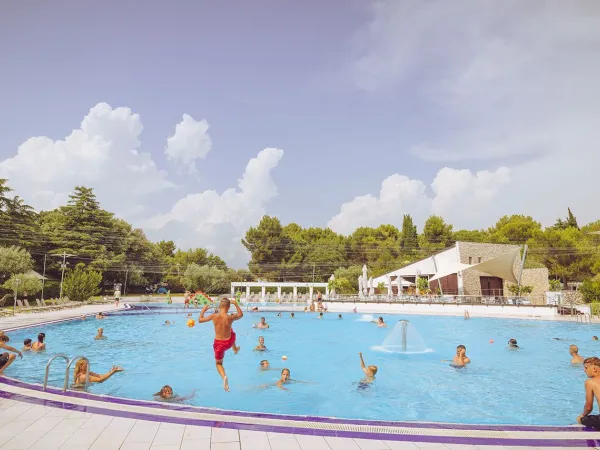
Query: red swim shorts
column 220, row 346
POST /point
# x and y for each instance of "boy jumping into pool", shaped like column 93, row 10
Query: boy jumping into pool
column 591, row 366
column 224, row 335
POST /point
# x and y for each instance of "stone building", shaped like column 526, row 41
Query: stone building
column 472, row 268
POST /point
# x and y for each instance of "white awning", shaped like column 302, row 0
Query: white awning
column 446, row 268
column 500, row 266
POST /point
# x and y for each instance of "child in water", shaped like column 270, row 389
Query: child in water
column 27, row 345
column 369, row 371
column 512, row 343
column 285, row 378
column 460, row 360
column 261, row 345
column 591, row 366
column 166, row 395
column 100, row 334
column 224, row 334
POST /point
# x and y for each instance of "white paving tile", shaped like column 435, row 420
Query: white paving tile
column 136, row 446
column 371, row 444
column 35, row 413
column 255, row 443
column 252, row 434
column 165, row 447
column 96, row 421
column 433, row 446
column 336, row 443
column 45, row 423
column 67, row 426
column 225, row 446
column 142, row 432
column 83, row 436
column 224, row 435
column 50, row 442
column 274, row 436
column 23, row 440
column 308, row 442
column 196, row 444
column 471, row 447
column 193, row 433
column 168, row 436
column 113, row 436
column 284, row 444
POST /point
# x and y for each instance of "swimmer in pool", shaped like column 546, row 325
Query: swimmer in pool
column 339, row 316
column 574, row 352
column 369, row 371
column 512, row 343
column 460, row 359
column 166, row 395
column 100, row 334
column 40, row 344
column 261, row 345
column 100, row 316
column 594, row 338
column 285, row 378
column 292, row 315
column 380, row 323
column 320, row 315
column 27, row 344
column 263, row 324
column 264, row 365
column 279, row 314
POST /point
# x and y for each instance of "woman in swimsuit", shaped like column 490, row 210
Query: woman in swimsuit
column 6, row 359
column 81, row 366
column 39, row 345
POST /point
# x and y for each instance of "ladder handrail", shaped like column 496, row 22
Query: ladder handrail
column 61, row 355
column 87, row 372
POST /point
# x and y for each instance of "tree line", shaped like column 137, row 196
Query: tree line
column 292, row 253
column 110, row 250
column 99, row 246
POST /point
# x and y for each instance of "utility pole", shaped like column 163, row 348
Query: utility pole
column 17, row 282
column 125, row 287
column 43, row 277
column 63, row 266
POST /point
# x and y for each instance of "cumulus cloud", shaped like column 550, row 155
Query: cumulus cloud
column 189, row 142
column 103, row 152
column 512, row 81
column 219, row 221
column 458, row 196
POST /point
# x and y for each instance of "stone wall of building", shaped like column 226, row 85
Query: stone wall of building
column 538, row 278
column 480, row 253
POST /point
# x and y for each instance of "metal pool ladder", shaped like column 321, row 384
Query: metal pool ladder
column 69, row 362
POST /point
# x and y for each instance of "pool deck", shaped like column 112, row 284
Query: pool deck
column 31, row 418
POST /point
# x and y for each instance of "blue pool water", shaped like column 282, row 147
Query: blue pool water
column 533, row 385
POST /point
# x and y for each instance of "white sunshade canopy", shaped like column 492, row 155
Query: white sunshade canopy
column 500, row 266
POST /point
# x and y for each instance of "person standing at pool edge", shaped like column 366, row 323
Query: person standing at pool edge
column 224, row 335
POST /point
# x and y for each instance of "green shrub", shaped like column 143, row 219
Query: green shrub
column 81, row 284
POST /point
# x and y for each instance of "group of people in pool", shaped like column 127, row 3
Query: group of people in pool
column 6, row 359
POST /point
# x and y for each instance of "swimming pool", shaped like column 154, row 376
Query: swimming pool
column 533, row 385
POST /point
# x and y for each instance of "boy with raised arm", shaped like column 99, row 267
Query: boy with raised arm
column 224, row 335
column 591, row 366
column 369, row 371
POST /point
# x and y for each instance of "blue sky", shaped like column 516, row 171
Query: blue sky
column 468, row 109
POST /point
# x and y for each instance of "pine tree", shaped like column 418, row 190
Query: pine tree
column 410, row 240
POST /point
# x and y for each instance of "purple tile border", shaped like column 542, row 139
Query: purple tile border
column 304, row 431
column 233, row 414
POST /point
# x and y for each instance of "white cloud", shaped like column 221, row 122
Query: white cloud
column 189, row 142
column 459, row 196
column 219, row 221
column 102, row 153
column 509, row 80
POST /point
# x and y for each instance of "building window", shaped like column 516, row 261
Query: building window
column 470, row 260
column 479, row 260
